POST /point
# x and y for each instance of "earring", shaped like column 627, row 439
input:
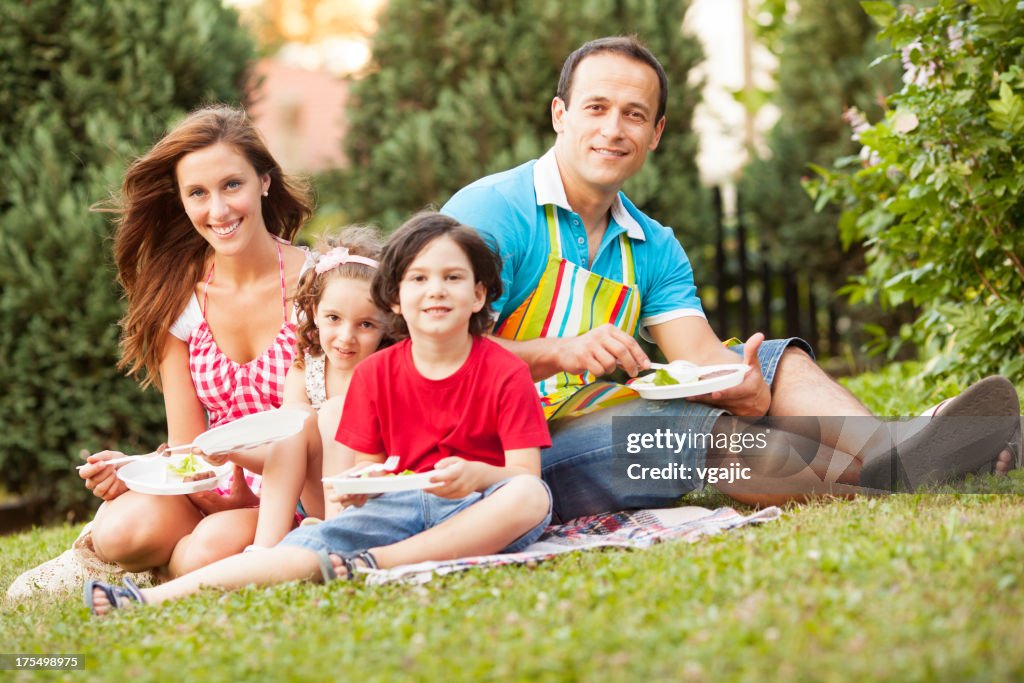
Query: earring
column 266, row 193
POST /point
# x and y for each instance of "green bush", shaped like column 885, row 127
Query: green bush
column 83, row 88
column 824, row 54
column 462, row 88
column 938, row 199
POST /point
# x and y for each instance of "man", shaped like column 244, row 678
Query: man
column 585, row 270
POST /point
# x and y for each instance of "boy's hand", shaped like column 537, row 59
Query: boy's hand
column 458, row 477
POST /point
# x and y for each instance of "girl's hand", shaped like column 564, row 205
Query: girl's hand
column 340, row 501
column 215, row 460
column 241, row 496
column 101, row 478
column 458, row 477
column 345, row 500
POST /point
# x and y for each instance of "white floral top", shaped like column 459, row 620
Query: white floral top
column 316, row 388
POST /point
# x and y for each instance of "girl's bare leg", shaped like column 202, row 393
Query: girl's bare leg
column 286, row 472
column 335, row 458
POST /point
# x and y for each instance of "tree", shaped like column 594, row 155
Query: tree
column 824, row 54
column 462, row 88
column 938, row 199
column 84, row 87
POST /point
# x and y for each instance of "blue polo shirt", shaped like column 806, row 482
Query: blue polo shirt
column 508, row 207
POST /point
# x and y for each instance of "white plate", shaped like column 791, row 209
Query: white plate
column 385, row 484
column 651, row 391
column 251, row 431
column 150, row 476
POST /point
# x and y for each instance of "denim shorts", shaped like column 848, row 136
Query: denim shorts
column 578, row 466
column 393, row 517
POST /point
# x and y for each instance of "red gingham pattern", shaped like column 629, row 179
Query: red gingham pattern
column 230, row 390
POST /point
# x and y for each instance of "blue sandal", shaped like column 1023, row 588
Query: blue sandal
column 117, row 596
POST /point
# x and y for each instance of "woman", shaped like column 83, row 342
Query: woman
column 202, row 251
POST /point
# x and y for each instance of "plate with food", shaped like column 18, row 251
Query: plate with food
column 682, row 380
column 251, row 431
column 373, row 482
column 174, row 475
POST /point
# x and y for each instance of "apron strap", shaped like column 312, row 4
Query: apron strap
column 554, row 230
column 625, row 245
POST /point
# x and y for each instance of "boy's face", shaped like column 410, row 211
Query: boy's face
column 438, row 293
column 608, row 126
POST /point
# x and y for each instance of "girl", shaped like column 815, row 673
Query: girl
column 444, row 399
column 339, row 326
column 202, row 251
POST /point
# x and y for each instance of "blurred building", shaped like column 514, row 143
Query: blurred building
column 315, row 48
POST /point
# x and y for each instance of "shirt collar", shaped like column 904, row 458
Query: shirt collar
column 547, row 183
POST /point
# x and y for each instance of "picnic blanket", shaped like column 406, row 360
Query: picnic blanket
column 630, row 529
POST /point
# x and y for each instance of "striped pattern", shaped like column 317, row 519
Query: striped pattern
column 569, row 301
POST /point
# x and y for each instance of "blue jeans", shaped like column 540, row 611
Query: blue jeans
column 578, row 466
column 393, row 517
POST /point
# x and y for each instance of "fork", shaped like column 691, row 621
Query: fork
column 129, row 458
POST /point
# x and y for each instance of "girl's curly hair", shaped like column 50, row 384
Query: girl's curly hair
column 360, row 241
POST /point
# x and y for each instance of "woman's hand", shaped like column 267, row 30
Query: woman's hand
column 458, row 477
column 101, row 478
column 241, row 496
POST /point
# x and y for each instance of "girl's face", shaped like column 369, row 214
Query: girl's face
column 221, row 193
column 349, row 324
column 438, row 292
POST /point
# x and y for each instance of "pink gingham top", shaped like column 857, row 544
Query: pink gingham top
column 229, row 390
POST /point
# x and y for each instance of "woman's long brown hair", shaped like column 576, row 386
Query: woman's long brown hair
column 159, row 254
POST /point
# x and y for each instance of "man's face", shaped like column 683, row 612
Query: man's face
column 606, row 130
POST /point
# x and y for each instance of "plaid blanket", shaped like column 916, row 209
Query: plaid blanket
column 631, row 529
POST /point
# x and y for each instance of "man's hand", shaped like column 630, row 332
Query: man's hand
column 600, row 350
column 101, row 478
column 750, row 398
column 241, row 496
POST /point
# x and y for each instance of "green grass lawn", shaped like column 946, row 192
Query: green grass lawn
column 902, row 588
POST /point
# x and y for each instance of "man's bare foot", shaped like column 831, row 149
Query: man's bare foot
column 1004, row 463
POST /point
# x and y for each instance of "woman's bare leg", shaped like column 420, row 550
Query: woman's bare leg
column 140, row 532
column 219, row 535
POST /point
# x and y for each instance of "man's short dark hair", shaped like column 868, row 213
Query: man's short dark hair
column 627, row 46
column 405, row 245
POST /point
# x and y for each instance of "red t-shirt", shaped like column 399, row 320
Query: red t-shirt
column 486, row 407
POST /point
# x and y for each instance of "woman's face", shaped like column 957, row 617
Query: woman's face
column 222, row 194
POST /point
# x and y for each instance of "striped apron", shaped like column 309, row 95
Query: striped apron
column 569, row 301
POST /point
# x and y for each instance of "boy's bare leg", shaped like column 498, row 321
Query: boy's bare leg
column 264, row 568
column 483, row 528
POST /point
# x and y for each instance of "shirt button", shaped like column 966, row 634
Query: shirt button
column 580, row 240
